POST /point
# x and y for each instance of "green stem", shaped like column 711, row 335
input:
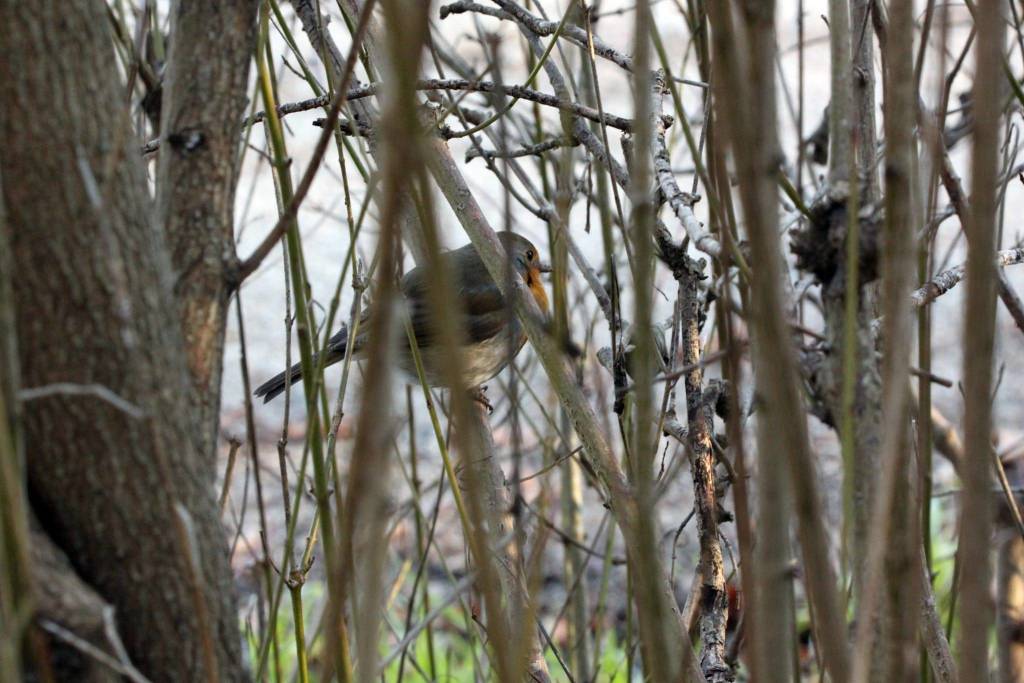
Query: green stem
column 305, row 323
column 295, row 588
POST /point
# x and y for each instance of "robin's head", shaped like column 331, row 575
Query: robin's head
column 526, row 261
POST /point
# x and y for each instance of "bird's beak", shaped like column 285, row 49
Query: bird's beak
column 544, row 267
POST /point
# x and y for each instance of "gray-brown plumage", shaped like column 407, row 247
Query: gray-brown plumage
column 490, row 327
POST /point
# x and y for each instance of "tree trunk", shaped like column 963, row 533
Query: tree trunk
column 124, row 490
column 204, row 96
column 64, row 601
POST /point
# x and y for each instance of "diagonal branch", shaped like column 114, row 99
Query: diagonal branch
column 247, row 267
column 948, row 279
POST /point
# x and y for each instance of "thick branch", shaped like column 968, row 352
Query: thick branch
column 85, row 619
column 204, row 93
column 979, row 340
column 890, row 580
column 840, row 110
column 714, row 603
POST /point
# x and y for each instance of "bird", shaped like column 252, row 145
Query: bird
column 494, row 334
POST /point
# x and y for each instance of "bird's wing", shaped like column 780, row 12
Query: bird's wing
column 483, row 309
column 339, row 341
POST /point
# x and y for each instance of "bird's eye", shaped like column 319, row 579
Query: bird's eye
column 529, row 254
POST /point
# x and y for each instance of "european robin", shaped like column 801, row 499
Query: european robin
column 492, row 330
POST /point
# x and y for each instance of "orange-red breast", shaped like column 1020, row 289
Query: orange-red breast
column 492, row 330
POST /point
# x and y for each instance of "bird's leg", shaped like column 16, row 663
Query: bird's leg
column 480, row 396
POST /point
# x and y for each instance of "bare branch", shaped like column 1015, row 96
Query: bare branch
column 514, row 12
column 71, row 389
column 948, row 279
column 250, row 264
column 681, row 202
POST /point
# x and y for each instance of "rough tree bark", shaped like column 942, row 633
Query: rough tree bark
column 204, row 96
column 700, row 418
column 126, row 495
column 64, row 601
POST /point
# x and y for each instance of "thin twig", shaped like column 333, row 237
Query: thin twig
column 542, row 27
column 681, row 202
column 948, row 279
column 124, row 668
column 72, row 389
column 249, row 265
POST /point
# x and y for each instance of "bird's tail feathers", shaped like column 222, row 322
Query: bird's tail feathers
column 277, row 384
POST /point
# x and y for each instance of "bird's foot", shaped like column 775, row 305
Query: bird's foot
column 480, row 396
